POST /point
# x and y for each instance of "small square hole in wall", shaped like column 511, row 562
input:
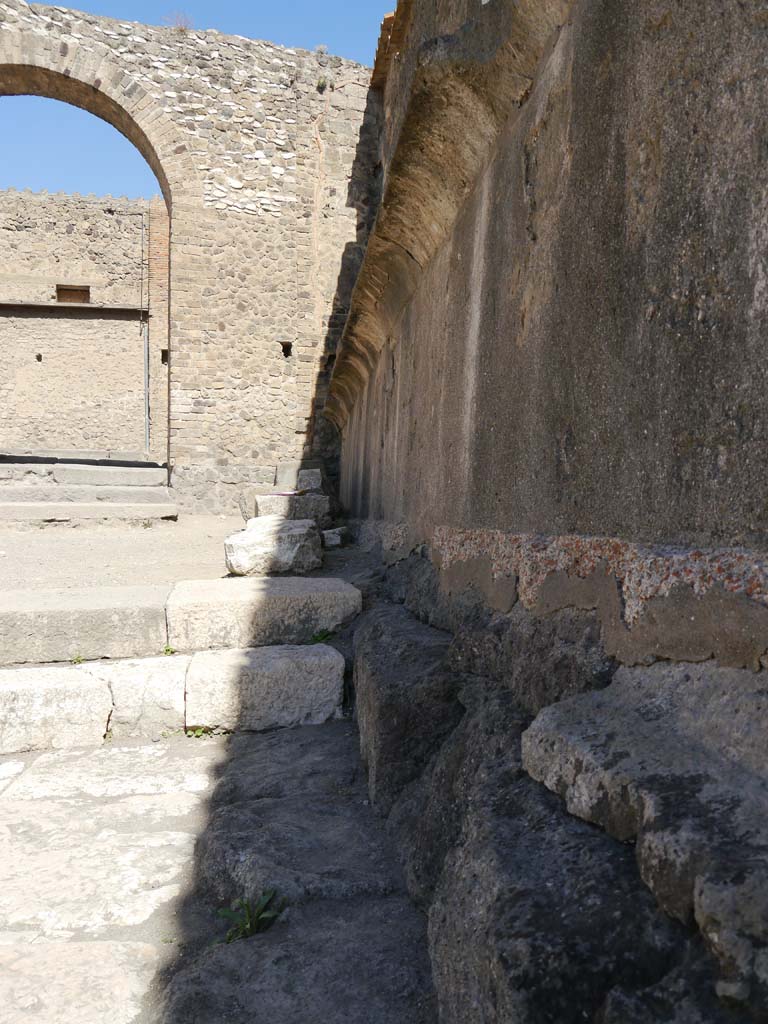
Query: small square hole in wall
column 73, row 293
column 164, row 356
column 287, row 347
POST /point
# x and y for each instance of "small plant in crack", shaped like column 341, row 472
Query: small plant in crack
column 322, row 85
column 199, row 732
column 322, row 636
column 168, row 651
column 77, row 660
column 248, row 917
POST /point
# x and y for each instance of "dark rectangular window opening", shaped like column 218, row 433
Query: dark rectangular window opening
column 73, row 293
column 164, row 356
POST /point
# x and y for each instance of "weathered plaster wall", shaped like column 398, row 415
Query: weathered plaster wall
column 575, row 389
column 255, row 162
column 85, row 392
column 72, row 378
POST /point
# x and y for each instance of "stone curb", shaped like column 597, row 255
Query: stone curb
column 62, row 706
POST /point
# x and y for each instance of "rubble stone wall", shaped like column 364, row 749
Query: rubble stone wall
column 255, row 149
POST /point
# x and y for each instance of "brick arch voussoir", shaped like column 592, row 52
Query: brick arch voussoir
column 90, row 78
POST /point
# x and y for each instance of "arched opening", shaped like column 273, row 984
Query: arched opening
column 84, row 276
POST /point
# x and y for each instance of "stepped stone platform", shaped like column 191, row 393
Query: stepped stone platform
column 674, row 759
column 534, row 913
column 114, row 863
column 63, row 706
column 48, row 490
column 117, row 622
column 77, row 511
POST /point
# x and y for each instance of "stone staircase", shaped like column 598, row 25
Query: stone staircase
column 122, row 853
column 672, row 758
column 607, row 861
column 140, row 661
column 68, row 487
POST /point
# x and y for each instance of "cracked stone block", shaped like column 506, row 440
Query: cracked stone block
column 270, row 544
column 296, row 506
column 264, row 688
column 310, row 480
column 673, row 756
column 256, row 611
column 147, row 694
column 335, row 538
column 41, row 626
column 51, row 707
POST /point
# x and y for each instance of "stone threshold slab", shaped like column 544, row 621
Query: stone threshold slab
column 49, row 626
column 47, row 707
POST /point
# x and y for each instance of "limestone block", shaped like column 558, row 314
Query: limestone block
column 296, row 506
column 310, row 480
column 111, row 476
column 265, row 688
column 256, row 611
column 287, row 473
column 51, row 707
column 673, row 757
column 384, row 938
column 405, row 698
column 335, row 538
column 96, row 622
column 270, row 544
column 147, row 694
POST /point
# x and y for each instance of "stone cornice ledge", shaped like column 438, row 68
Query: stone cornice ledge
column 464, row 89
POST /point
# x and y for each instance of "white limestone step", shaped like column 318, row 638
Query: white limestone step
column 74, row 511
column 255, row 611
column 110, row 476
column 65, row 706
column 47, row 626
column 85, row 494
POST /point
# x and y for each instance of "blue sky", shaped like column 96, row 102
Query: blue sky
column 50, row 145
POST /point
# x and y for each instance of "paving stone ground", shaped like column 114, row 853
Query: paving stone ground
column 114, row 862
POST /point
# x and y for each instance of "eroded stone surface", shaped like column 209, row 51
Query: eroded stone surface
column 256, row 612
column 674, row 756
column 44, row 707
column 271, row 544
column 60, row 982
column 113, row 771
column 147, row 695
column 113, row 864
column 296, row 506
column 326, row 963
column 87, row 623
column 264, row 688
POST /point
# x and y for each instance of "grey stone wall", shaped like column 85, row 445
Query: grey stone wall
column 255, row 149
column 566, row 385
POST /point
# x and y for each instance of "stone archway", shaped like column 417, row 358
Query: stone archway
column 256, row 162
column 86, row 74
